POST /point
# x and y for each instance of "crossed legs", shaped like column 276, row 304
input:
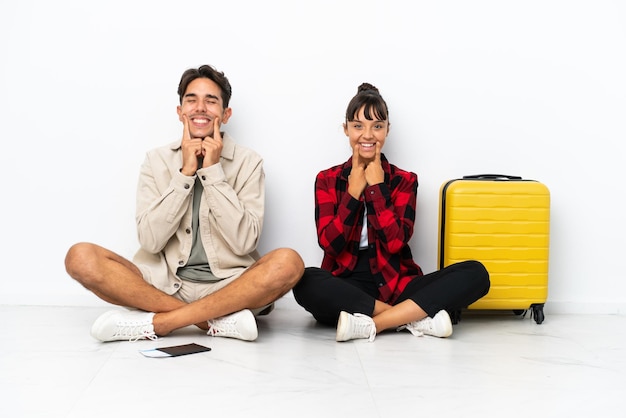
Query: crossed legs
column 118, row 281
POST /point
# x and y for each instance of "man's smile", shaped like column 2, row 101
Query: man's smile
column 200, row 120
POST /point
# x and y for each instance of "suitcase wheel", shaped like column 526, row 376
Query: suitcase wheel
column 537, row 312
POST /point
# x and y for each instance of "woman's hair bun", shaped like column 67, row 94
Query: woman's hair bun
column 367, row 87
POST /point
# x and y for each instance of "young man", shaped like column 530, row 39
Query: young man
column 200, row 206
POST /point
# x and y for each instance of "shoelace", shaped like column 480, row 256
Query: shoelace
column 224, row 326
column 135, row 331
column 361, row 326
column 414, row 330
column 413, row 327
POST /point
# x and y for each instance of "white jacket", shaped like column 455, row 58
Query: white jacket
column 231, row 213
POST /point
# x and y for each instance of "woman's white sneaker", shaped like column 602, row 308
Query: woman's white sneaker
column 350, row 327
column 439, row 325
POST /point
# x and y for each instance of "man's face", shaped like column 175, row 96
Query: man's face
column 202, row 103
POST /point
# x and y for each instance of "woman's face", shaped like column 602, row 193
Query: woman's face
column 364, row 134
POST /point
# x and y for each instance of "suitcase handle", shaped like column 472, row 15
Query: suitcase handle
column 492, row 177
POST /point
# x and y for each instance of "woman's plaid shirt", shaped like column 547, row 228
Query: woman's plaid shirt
column 390, row 218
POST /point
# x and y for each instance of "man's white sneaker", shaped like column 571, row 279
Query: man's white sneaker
column 240, row 325
column 438, row 326
column 355, row 326
column 123, row 326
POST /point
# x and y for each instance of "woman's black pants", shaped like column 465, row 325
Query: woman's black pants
column 452, row 288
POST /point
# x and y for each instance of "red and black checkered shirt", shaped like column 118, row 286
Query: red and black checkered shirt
column 390, row 218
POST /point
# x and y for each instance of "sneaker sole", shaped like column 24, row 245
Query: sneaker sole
column 341, row 324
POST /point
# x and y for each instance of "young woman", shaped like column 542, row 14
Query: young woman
column 365, row 213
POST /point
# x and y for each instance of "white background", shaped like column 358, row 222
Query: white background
column 529, row 88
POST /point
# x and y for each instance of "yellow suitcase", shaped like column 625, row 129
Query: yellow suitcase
column 504, row 222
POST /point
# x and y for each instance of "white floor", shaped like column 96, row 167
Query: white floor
column 494, row 365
